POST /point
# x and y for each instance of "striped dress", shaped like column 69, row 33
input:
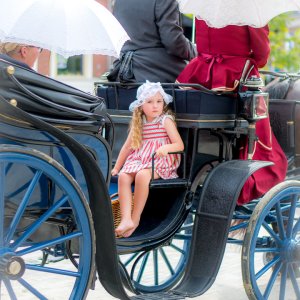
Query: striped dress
column 154, row 136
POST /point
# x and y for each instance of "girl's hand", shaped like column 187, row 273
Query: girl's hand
column 114, row 172
column 161, row 151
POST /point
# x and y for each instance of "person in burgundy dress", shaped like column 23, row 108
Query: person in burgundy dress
column 222, row 54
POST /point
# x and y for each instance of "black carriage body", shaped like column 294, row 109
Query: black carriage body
column 209, row 125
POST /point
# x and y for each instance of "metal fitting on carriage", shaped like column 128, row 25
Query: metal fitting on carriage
column 254, row 82
column 189, row 197
column 10, row 70
column 254, row 105
column 13, row 102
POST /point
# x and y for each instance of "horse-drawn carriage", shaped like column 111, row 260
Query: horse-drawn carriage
column 57, row 149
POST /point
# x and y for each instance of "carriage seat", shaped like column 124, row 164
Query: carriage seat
column 181, row 182
column 186, row 101
column 49, row 99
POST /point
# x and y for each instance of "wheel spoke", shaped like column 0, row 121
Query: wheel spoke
column 272, row 232
column 294, row 281
column 52, row 270
column 291, row 217
column 280, row 221
column 32, row 289
column 166, row 260
column 9, row 289
column 2, row 200
column 49, row 243
column 177, row 248
column 283, row 282
column 186, row 227
column 272, row 280
column 155, row 266
column 130, row 259
column 296, row 227
column 183, row 236
column 267, row 267
column 22, row 207
column 39, row 222
column 142, row 268
column 265, row 250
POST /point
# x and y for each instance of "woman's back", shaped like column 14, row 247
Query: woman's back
column 139, row 22
column 159, row 46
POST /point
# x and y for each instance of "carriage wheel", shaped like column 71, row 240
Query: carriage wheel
column 161, row 268
column 27, row 229
column 271, row 248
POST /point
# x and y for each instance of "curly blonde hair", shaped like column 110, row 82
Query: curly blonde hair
column 136, row 125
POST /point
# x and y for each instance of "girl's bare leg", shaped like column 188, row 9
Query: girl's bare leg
column 141, row 192
column 125, row 198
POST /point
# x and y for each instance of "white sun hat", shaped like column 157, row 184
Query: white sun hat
column 147, row 90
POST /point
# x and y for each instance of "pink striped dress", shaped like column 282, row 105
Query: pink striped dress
column 154, row 136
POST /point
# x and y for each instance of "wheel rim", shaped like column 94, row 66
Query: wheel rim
column 161, row 268
column 21, row 245
column 270, row 261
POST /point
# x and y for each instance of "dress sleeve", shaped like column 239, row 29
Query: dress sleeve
column 171, row 33
column 260, row 45
column 164, row 118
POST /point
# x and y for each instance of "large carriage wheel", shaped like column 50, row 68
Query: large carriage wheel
column 161, row 268
column 271, row 249
column 27, row 228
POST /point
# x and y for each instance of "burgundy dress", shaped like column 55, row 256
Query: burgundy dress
column 222, row 53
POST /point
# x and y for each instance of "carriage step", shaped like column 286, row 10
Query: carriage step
column 158, row 296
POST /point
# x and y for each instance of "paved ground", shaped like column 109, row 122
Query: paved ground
column 228, row 285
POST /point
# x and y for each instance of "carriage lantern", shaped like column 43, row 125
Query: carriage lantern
column 253, row 102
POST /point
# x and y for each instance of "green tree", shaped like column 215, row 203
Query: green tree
column 285, row 44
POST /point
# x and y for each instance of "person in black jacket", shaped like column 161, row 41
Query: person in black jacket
column 157, row 49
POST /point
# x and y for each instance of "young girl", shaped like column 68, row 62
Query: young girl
column 152, row 129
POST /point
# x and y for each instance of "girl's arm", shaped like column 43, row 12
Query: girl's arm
column 174, row 136
column 124, row 152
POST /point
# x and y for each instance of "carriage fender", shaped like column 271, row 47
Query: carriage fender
column 218, row 199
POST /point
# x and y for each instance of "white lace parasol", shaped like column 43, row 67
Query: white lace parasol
column 220, row 13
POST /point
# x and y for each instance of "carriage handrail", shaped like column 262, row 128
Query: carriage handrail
column 283, row 75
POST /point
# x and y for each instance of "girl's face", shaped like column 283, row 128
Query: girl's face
column 153, row 107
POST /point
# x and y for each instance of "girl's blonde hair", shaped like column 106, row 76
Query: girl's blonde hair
column 136, row 125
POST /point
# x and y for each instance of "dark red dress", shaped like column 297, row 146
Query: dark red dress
column 222, row 53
